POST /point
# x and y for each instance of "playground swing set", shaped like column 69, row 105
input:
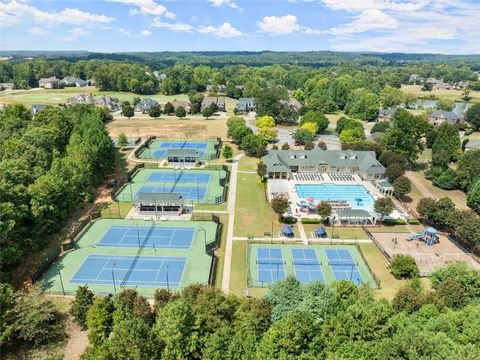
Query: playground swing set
column 429, row 236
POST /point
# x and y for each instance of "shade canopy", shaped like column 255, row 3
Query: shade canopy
column 320, row 230
column 287, row 230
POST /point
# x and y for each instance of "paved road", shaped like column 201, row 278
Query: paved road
column 232, row 193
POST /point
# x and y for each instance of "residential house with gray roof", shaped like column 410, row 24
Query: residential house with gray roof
column 282, row 163
column 385, row 114
column 438, row 117
column 186, row 105
column 50, row 83
column 245, row 105
column 88, row 99
column 209, row 100
column 111, row 103
column 70, row 80
column 145, row 104
column 7, row 86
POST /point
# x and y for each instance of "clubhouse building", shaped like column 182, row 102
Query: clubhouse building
column 285, row 164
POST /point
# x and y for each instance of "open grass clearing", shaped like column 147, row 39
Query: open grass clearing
column 116, row 210
column 452, row 94
column 248, row 163
column 343, row 232
column 253, row 214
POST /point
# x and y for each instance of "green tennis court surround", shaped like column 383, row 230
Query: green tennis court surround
column 136, row 254
column 193, row 150
column 268, row 263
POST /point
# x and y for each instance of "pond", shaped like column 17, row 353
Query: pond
column 460, row 106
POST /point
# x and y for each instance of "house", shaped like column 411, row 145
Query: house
column 70, row 80
column 385, row 114
column 186, row 105
column 145, row 104
column 415, row 79
column 7, row 86
column 292, row 103
column 440, row 116
column 216, row 88
column 438, row 84
column 35, row 108
column 111, row 103
column 282, row 163
column 50, row 83
column 472, row 145
column 88, row 99
column 209, row 100
column 245, row 105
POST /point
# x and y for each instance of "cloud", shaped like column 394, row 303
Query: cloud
column 145, row 33
column 14, row 11
column 224, row 31
column 147, row 7
column 366, row 21
column 74, row 34
column 218, row 3
column 178, row 26
column 38, row 31
column 363, row 5
column 278, row 25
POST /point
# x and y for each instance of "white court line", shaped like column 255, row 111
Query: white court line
column 101, row 270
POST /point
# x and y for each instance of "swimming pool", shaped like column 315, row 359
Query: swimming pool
column 356, row 195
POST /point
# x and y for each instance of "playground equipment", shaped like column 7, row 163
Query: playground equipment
column 429, row 236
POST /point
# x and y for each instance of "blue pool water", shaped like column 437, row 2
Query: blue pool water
column 350, row 193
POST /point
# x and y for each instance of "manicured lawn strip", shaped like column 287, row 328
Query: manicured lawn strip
column 388, row 229
column 116, row 210
column 211, row 207
column 247, row 163
column 220, row 252
column 253, row 214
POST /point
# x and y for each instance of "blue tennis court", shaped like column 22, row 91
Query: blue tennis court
column 270, row 264
column 179, row 177
column 306, row 264
column 130, row 271
column 200, row 146
column 188, row 192
column 343, row 266
column 163, row 153
column 151, row 237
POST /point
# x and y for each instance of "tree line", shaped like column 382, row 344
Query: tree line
column 49, row 165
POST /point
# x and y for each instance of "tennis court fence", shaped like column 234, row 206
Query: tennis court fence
column 379, row 246
column 144, row 145
column 376, row 279
column 48, row 260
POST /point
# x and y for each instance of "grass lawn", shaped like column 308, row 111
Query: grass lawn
column 343, row 232
column 116, row 210
column 247, row 163
column 211, row 207
column 388, row 229
column 253, row 214
column 220, row 252
column 238, row 277
column 447, row 94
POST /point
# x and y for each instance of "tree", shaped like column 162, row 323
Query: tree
column 265, row 122
column 99, row 320
column 80, row 306
column 285, row 146
column 349, row 136
column 468, row 169
column 33, row 318
column 467, row 277
column 404, row 266
column 163, row 297
column 402, row 186
column 207, row 112
column 391, row 97
column 362, row 104
column 254, row 145
column 405, row 135
column 309, row 145
column 269, row 134
column 443, row 207
column 472, row 116
column 268, row 100
column 394, row 171
column 302, row 135
column 122, row 139
column 168, row 108
column 322, row 145
column 315, row 117
column 446, row 147
column 384, row 206
column 155, row 111
column 280, row 204
column 445, row 104
column 426, row 207
column 324, row 209
column 262, row 169
column 380, row 127
column 136, row 100
column 409, row 298
column 473, row 198
column 127, row 111
column 227, row 152
column 180, row 112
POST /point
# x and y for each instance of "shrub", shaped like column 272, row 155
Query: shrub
column 413, row 222
column 81, row 305
column 392, row 222
column 404, row 267
column 288, row 220
column 310, row 221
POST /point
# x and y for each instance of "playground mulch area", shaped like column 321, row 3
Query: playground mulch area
column 199, row 186
column 144, row 255
column 428, row 258
column 158, row 148
column 267, row 263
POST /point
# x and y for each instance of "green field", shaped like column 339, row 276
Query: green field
column 196, row 270
column 289, row 268
column 214, row 189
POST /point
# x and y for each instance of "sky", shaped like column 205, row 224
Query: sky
column 418, row 26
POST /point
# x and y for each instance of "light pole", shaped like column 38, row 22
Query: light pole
column 61, row 282
column 168, row 285
column 204, row 234
column 113, row 278
column 333, row 227
column 138, row 236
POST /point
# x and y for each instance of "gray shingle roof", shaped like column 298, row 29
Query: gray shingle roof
column 447, row 115
column 182, row 152
column 160, row 198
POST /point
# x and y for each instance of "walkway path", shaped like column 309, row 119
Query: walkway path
column 302, row 232
column 232, row 195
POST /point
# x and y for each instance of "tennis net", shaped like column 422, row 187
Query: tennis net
column 306, row 262
column 270, row 261
column 342, row 263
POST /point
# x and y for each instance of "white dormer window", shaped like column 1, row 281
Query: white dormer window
column 343, row 156
column 303, row 156
column 353, row 157
column 292, row 156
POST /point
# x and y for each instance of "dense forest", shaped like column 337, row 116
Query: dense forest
column 49, row 165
